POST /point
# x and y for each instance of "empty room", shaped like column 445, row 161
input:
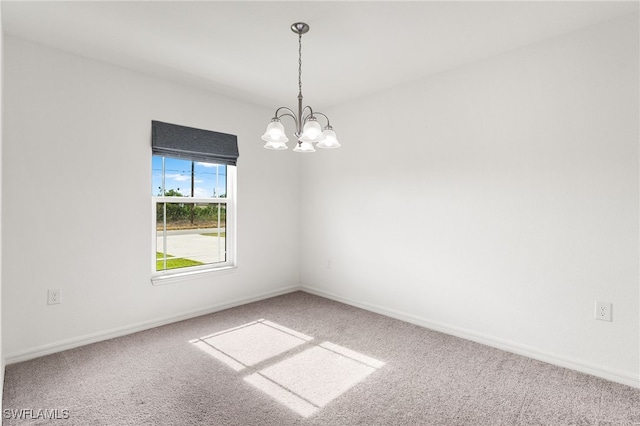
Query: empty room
column 320, row 213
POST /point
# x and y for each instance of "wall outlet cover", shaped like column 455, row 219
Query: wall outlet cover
column 603, row 311
column 53, row 297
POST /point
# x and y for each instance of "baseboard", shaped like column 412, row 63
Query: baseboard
column 134, row 328
column 528, row 351
column 2, row 364
column 594, row 370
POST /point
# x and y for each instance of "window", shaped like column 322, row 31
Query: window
column 193, row 197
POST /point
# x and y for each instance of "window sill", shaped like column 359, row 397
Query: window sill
column 187, row 276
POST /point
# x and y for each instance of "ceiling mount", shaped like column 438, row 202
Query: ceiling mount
column 300, row 28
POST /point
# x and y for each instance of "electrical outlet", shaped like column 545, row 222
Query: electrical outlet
column 329, row 264
column 53, row 297
column 603, row 311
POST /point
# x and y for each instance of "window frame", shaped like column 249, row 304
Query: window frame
column 191, row 272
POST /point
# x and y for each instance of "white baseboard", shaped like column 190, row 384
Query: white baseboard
column 2, row 364
column 134, row 328
column 594, row 370
column 517, row 348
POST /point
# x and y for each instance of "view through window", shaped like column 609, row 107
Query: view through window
column 191, row 201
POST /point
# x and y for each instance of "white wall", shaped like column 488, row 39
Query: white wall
column 496, row 201
column 509, row 205
column 77, row 207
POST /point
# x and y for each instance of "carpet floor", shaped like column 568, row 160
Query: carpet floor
column 300, row 359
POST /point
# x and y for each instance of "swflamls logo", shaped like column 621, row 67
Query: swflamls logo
column 38, row 414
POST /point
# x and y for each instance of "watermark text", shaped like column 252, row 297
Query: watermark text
column 35, row 414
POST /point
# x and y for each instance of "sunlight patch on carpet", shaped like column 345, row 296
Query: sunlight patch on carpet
column 306, row 380
column 208, row 349
column 251, row 343
column 316, row 375
column 282, row 395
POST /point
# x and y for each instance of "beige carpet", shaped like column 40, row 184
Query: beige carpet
column 300, row 359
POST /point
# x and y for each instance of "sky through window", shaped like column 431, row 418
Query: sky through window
column 209, row 180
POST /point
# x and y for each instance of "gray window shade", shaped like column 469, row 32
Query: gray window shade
column 171, row 140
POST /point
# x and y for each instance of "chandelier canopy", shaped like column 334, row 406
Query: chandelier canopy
column 308, row 130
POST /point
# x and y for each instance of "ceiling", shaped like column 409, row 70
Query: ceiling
column 247, row 51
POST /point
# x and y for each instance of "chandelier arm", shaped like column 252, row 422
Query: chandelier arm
column 287, row 109
column 303, row 119
column 326, row 118
column 295, row 119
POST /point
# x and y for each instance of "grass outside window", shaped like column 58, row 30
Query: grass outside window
column 174, row 262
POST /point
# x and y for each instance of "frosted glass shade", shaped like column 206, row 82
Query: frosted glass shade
column 311, row 132
column 328, row 140
column 275, row 145
column 304, row 147
column 275, row 133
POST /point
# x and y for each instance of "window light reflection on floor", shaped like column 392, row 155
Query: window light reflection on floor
column 251, row 343
column 309, row 378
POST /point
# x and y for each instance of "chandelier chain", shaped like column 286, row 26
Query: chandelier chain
column 300, row 64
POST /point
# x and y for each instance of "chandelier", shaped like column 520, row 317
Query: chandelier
column 308, row 130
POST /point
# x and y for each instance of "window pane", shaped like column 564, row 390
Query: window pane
column 185, row 178
column 210, row 180
column 190, row 234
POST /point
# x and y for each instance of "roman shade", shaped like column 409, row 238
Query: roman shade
column 172, row 140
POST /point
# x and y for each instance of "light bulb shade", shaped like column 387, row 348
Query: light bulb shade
column 304, row 147
column 328, row 140
column 311, row 132
column 275, row 133
column 275, row 145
